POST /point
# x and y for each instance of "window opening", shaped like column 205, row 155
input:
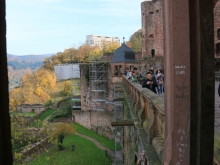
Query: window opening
column 218, row 49
column 152, row 53
column 218, row 34
column 116, row 70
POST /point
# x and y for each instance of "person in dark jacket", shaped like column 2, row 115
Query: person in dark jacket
column 150, row 82
column 138, row 75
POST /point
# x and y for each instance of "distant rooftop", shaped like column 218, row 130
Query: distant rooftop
column 123, row 54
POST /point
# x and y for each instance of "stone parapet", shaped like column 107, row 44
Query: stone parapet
column 147, row 111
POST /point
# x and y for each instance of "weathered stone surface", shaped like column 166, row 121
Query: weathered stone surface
column 152, row 28
column 99, row 121
column 189, row 97
column 36, row 108
column 148, row 121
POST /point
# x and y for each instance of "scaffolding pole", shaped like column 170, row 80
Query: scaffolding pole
column 98, row 78
column 118, row 116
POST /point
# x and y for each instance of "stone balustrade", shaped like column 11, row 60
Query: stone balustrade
column 146, row 109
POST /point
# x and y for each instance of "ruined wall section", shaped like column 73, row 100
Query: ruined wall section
column 98, row 121
column 152, row 28
column 84, row 87
column 158, row 27
column 147, row 28
column 35, row 108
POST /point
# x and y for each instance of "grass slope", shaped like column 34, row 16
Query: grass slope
column 85, row 153
column 57, row 93
column 38, row 122
column 25, row 114
column 45, row 114
column 103, row 140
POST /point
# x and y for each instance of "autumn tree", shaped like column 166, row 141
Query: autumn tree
column 34, row 88
column 15, row 98
column 135, row 41
column 61, row 130
column 67, row 88
column 69, row 55
column 47, row 64
column 109, row 47
column 83, row 53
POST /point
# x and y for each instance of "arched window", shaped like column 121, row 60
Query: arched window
column 218, row 34
column 152, row 53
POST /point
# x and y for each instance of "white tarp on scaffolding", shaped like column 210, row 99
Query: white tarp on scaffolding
column 67, row 71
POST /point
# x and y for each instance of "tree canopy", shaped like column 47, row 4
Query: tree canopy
column 34, row 88
column 83, row 54
column 135, row 41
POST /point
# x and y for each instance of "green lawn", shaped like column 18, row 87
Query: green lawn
column 25, row 114
column 57, row 93
column 110, row 144
column 38, row 122
column 45, row 114
column 85, row 153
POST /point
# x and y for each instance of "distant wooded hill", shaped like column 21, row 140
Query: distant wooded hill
column 28, row 58
column 21, row 65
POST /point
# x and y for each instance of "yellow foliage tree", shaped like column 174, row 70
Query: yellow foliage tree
column 62, row 130
column 67, row 88
column 95, row 53
column 34, row 88
column 39, row 91
column 83, row 53
column 14, row 98
column 109, row 47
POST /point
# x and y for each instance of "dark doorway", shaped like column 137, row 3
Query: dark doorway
column 218, row 49
column 135, row 159
column 153, row 53
column 218, row 34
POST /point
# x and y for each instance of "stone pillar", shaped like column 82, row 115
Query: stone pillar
column 189, row 82
column 202, row 82
column 5, row 131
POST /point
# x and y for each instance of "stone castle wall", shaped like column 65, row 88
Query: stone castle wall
column 152, row 28
column 98, row 121
column 36, row 108
column 84, row 87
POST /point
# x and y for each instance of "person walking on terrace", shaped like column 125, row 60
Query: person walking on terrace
column 160, row 81
column 150, row 82
column 138, row 74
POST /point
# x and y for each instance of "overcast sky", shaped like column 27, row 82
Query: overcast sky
column 50, row 26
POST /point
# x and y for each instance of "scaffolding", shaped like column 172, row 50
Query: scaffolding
column 76, row 103
column 98, row 78
column 118, row 116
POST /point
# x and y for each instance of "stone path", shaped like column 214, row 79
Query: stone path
column 98, row 144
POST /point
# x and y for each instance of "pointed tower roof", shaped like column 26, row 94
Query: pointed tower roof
column 123, row 54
